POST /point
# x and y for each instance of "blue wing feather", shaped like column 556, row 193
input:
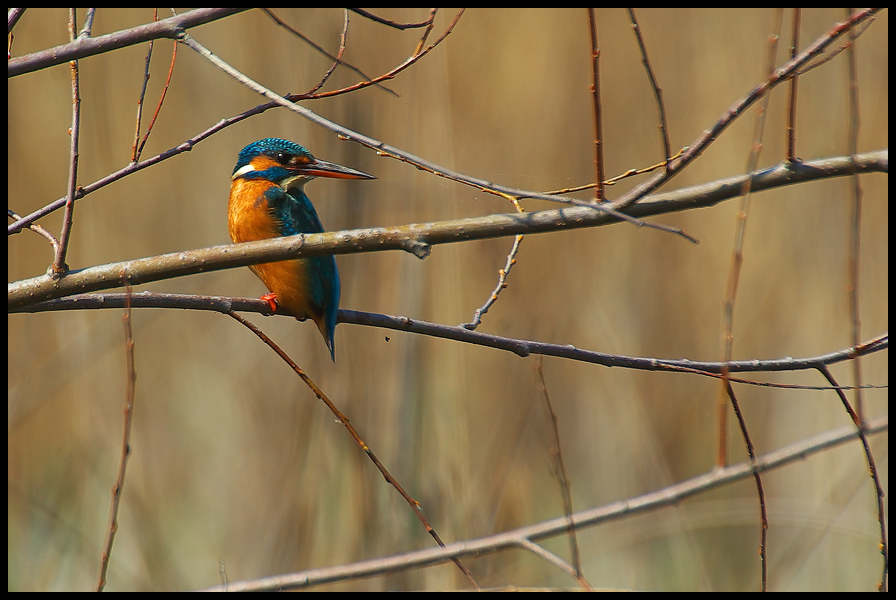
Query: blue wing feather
column 294, row 214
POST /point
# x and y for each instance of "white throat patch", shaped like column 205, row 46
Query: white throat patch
column 242, row 171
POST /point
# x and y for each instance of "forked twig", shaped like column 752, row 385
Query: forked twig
column 502, row 275
column 138, row 150
column 38, row 230
column 337, row 60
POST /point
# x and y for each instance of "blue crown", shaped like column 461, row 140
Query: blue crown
column 269, row 147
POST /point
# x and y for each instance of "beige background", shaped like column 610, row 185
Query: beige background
column 234, row 459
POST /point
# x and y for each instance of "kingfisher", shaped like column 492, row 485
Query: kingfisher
column 267, row 200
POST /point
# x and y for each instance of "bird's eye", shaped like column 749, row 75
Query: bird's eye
column 283, row 158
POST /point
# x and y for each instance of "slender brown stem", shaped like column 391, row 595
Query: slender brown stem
column 737, row 254
column 60, row 267
column 135, row 154
column 791, row 112
column 657, row 91
column 595, row 99
column 855, row 222
column 130, row 396
column 155, row 115
column 562, row 478
column 763, row 510
column 872, row 470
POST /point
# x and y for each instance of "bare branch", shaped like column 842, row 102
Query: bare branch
column 144, row 270
column 520, row 347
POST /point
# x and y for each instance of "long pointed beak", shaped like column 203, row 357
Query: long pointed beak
column 322, row 168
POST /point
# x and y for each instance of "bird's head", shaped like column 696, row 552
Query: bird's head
column 287, row 164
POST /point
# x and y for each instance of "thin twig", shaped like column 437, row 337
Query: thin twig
column 618, row 178
column 394, row 24
column 855, row 221
column 417, row 55
column 760, row 491
column 657, row 91
column 562, row 478
column 730, row 299
column 555, row 560
column 155, row 115
column 427, row 30
column 502, row 276
column 825, row 59
column 39, row 230
column 791, row 109
column 861, row 429
column 60, row 267
column 501, row 285
column 88, row 23
column 600, row 195
column 139, row 120
column 853, row 287
column 737, row 253
column 337, row 60
column 130, row 396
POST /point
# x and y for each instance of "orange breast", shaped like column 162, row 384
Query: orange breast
column 250, row 219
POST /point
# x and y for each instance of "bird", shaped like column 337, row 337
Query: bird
column 268, row 200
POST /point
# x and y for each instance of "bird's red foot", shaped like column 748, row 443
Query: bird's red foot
column 271, row 299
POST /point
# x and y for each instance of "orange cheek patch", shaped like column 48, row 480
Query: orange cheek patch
column 260, row 163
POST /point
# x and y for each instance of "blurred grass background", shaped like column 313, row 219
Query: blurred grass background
column 234, row 459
